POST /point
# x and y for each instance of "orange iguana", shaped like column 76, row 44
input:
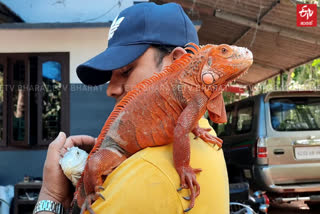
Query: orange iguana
column 164, row 109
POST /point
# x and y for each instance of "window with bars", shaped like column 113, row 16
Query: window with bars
column 34, row 98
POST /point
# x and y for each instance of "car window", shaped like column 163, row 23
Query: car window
column 244, row 122
column 295, row 113
column 224, row 129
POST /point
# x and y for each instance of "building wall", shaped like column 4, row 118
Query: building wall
column 81, row 43
column 34, row 11
column 89, row 106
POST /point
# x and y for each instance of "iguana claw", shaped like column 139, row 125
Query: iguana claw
column 188, row 180
column 187, row 210
column 89, row 199
column 87, row 204
column 187, row 198
column 101, row 196
column 204, row 134
column 99, row 188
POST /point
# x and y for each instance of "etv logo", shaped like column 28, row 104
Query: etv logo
column 306, row 15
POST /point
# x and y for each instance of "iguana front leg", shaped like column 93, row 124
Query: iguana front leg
column 206, row 136
column 98, row 167
column 181, row 146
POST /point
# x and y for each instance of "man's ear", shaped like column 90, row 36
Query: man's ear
column 177, row 53
column 174, row 55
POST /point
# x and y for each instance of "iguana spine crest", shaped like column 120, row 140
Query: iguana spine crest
column 176, row 66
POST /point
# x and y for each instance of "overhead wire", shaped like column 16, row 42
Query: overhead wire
column 102, row 15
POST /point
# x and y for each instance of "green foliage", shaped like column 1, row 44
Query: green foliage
column 230, row 97
column 304, row 77
column 309, row 2
column 316, row 63
column 51, row 108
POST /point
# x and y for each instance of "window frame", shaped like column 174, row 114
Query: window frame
column 247, row 104
column 229, row 108
column 9, row 104
column 288, row 98
column 64, row 59
column 3, row 141
column 65, row 101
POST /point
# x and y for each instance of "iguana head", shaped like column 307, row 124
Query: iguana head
column 220, row 66
column 224, row 64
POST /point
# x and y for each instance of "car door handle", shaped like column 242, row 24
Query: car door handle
column 278, row 151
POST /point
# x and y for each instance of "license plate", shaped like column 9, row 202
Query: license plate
column 305, row 153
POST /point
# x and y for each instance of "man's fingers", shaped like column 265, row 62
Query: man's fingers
column 54, row 150
column 57, row 144
column 84, row 142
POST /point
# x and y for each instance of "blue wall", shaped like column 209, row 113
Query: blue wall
column 89, row 109
column 14, row 165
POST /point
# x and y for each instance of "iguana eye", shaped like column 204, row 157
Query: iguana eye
column 224, row 50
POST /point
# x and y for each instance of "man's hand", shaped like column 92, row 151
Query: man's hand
column 56, row 186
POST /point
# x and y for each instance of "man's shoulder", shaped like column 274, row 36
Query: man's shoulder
column 148, row 181
column 138, row 185
column 159, row 160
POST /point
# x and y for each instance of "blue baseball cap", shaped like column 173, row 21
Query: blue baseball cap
column 132, row 32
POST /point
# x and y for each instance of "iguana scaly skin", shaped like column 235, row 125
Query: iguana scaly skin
column 164, row 109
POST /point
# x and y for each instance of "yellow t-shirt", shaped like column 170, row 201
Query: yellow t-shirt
column 147, row 182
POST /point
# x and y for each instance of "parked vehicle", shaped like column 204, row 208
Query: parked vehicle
column 273, row 141
column 242, row 202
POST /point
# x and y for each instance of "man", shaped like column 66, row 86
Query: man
column 143, row 39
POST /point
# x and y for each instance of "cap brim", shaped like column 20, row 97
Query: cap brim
column 97, row 70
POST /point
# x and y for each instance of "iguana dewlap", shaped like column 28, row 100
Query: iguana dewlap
column 164, row 109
